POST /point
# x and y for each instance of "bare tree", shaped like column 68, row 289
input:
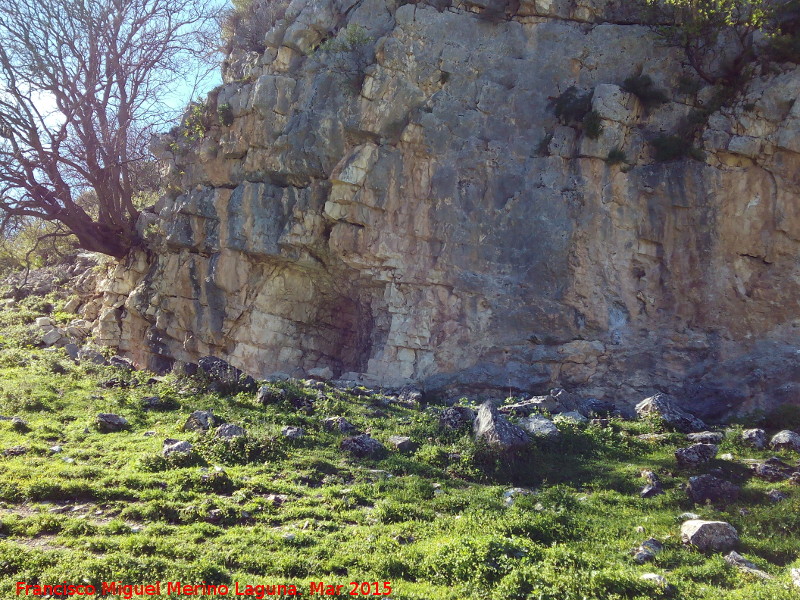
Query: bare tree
column 83, row 85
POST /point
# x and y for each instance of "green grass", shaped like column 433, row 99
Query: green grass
column 266, row 510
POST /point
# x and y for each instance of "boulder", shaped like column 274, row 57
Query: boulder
column 52, row 337
column 119, row 362
column 15, row 451
column 706, row 437
column 540, row 427
column 707, row 488
column 109, row 422
column 717, row 536
column 88, row 355
column 363, row 446
column 456, row 417
column 756, row 438
column 224, row 376
column 200, row 420
column 777, row 496
column 229, row 431
column 696, row 454
column 667, row 408
column 19, row 424
column 403, row 443
column 494, row 429
column 293, row 433
column 785, row 440
column 175, row 447
column 321, row 374
column 338, row 424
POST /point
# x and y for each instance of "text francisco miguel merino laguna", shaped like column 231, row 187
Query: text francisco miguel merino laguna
column 176, row 588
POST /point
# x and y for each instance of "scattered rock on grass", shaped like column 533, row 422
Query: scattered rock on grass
column 15, row 451
column 122, row 363
column 456, row 417
column 717, row 536
column 735, row 559
column 572, row 415
column 493, row 428
column 339, row 424
column 293, row 433
column 785, row 440
column 175, row 447
column 666, row 407
column 200, row 420
column 655, row 578
column 363, row 446
column 402, row 443
column 229, row 431
column 706, row 437
column 756, row 438
column 707, row 488
column 795, row 575
column 224, row 376
column 653, row 487
column 512, row 493
column 647, row 550
column 19, row 424
column 777, row 496
column 270, row 395
column 109, row 422
column 773, row 469
column 696, row 454
column 540, row 427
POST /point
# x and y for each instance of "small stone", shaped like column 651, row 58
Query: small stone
column 540, row 427
column 726, row 456
column 410, row 398
column 456, row 417
column 175, row 447
column 706, row 437
column 55, row 449
column 44, row 322
column 109, row 422
column 735, row 559
column 403, row 443
column 87, row 355
column 293, row 433
column 72, row 350
column 651, row 490
column 756, row 438
column 655, row 578
column 688, row 516
column 363, row 446
column 339, row 424
column 149, row 433
column 795, row 575
column 707, row 488
column 321, row 373
column 512, row 493
column 200, row 420
column 229, row 431
column 653, row 437
column 785, row 440
column 717, row 536
column 155, row 403
column 696, row 454
column 777, row 496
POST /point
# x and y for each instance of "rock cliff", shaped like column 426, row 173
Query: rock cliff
column 401, row 204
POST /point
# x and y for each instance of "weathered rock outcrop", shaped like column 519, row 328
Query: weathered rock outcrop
column 427, row 218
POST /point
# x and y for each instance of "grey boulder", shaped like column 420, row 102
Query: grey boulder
column 717, row 536
column 666, row 407
column 494, row 429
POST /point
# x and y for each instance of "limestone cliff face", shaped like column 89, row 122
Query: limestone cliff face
column 426, row 218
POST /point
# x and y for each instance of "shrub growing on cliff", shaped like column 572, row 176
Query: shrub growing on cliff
column 642, row 87
column 348, row 55
column 571, row 105
column 245, row 25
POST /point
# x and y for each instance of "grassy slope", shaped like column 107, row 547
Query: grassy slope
column 434, row 522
